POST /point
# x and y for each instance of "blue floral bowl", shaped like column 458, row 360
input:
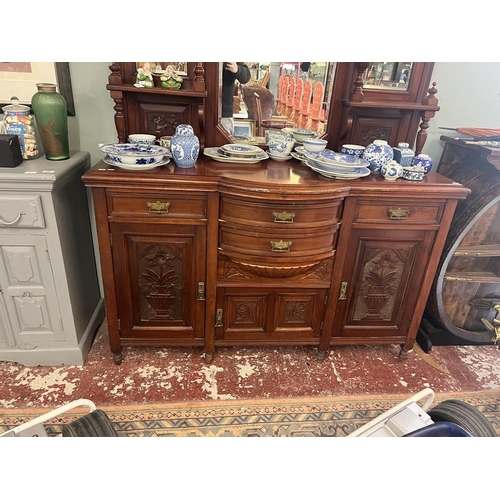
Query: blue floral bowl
column 134, row 154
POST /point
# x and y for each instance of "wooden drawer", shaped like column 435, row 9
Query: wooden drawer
column 399, row 212
column 21, row 211
column 285, row 215
column 157, row 205
column 277, row 244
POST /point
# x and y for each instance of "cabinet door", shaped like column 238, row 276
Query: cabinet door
column 160, row 275
column 269, row 315
column 27, row 283
column 382, row 279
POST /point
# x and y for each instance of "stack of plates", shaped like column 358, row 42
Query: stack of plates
column 236, row 153
column 123, row 166
column 336, row 165
column 300, row 154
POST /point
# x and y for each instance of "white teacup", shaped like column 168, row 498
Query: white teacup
column 165, row 141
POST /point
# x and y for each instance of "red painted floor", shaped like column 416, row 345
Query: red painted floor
column 156, row 375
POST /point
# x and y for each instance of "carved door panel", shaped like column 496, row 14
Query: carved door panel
column 381, row 283
column 269, row 315
column 160, row 278
column 28, row 287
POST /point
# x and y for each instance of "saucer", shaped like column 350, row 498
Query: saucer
column 122, row 166
column 280, row 157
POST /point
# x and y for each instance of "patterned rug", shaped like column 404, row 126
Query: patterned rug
column 301, row 417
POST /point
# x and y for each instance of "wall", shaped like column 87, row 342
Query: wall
column 469, row 96
column 468, row 93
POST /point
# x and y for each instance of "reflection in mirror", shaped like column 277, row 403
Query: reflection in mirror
column 282, row 95
column 388, row 75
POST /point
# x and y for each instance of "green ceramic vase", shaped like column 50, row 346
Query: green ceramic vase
column 51, row 115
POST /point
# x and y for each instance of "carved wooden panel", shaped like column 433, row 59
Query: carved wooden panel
column 158, row 268
column 270, row 314
column 382, row 274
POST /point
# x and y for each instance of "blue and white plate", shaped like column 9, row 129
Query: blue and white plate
column 331, row 158
column 338, row 172
column 137, row 168
column 242, row 149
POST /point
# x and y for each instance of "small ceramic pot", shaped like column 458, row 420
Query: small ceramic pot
column 423, row 161
column 353, row 150
column 413, row 173
column 403, row 154
column 378, row 153
column 165, row 141
column 391, row 170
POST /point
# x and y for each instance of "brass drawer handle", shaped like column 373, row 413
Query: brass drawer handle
column 343, row 290
column 283, row 217
column 398, row 213
column 158, row 207
column 281, row 246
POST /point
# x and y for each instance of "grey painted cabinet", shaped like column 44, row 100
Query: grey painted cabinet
column 50, row 302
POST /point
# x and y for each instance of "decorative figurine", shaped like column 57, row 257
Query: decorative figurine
column 145, row 76
column 170, row 79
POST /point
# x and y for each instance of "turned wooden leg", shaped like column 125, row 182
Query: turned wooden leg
column 321, row 356
column 403, row 353
column 117, row 358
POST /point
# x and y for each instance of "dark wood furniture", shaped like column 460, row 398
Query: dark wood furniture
column 465, row 296
column 359, row 115
column 266, row 254
column 356, row 115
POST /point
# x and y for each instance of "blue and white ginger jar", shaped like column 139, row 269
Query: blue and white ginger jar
column 185, row 146
column 378, row 153
column 423, row 161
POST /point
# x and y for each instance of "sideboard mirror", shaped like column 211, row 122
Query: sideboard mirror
column 353, row 108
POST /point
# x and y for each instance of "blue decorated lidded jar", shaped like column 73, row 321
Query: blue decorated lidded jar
column 184, row 146
column 403, row 154
column 378, row 153
column 423, row 161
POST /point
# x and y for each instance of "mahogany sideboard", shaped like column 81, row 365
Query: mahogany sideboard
column 267, row 254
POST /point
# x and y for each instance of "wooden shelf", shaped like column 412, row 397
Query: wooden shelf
column 156, row 90
column 479, row 277
column 478, row 251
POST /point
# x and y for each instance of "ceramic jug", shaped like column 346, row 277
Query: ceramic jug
column 185, row 146
column 391, row 170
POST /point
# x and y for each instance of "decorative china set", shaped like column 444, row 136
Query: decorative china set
column 354, row 161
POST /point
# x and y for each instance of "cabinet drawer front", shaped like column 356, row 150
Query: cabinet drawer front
column 21, row 211
column 276, row 243
column 157, row 205
column 285, row 215
column 416, row 213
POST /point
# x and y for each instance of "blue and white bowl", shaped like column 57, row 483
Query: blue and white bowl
column 413, row 173
column 314, row 145
column 299, row 134
column 353, row 150
column 142, row 139
column 134, row 154
column 281, row 145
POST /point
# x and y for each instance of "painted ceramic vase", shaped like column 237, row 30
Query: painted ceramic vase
column 391, row 170
column 378, row 153
column 423, row 161
column 403, row 154
column 184, row 146
column 51, row 114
